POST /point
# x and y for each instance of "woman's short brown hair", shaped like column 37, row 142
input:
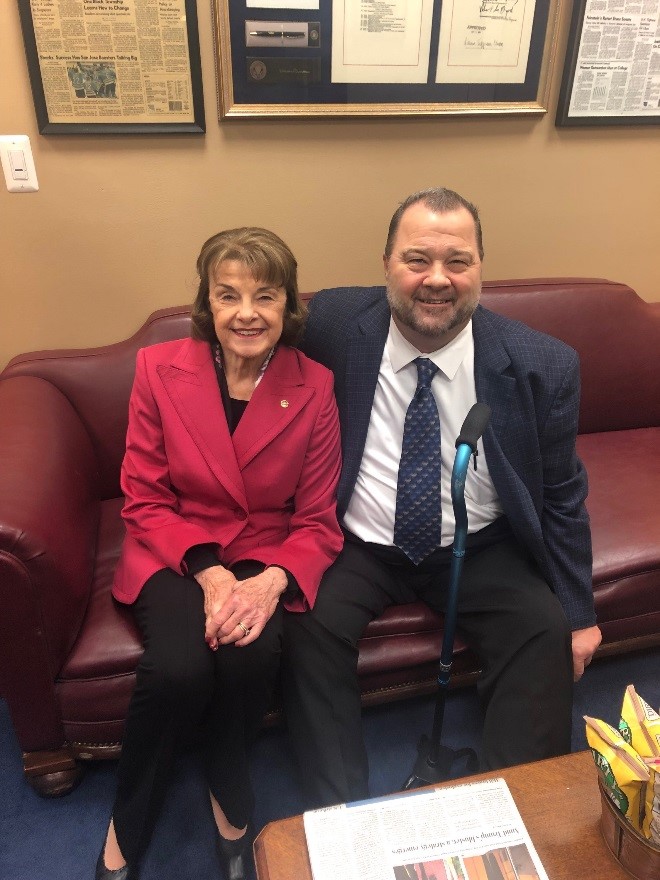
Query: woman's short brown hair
column 267, row 258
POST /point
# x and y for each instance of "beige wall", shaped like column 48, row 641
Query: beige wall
column 115, row 228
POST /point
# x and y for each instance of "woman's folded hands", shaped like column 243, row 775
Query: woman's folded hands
column 237, row 610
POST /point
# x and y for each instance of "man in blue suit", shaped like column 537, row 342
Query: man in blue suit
column 424, row 343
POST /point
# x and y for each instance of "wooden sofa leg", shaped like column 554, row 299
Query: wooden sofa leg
column 52, row 774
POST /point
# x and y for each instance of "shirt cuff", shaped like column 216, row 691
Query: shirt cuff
column 199, row 557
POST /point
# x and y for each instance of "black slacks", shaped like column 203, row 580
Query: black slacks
column 506, row 612
column 184, row 690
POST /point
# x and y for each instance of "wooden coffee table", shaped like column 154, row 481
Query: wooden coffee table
column 558, row 800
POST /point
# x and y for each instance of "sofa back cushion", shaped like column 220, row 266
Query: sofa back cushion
column 616, row 333
column 98, row 383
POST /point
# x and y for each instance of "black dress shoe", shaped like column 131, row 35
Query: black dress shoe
column 234, row 855
column 103, row 873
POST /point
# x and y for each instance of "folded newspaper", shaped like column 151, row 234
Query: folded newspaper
column 463, row 832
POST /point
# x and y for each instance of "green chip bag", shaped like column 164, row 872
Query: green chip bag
column 623, row 773
column 640, row 724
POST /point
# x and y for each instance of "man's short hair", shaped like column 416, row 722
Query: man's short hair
column 438, row 199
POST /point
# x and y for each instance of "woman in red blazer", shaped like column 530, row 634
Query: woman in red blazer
column 231, row 466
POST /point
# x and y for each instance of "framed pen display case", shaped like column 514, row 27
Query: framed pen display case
column 341, row 58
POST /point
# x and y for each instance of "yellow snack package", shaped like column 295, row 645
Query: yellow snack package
column 651, row 823
column 623, row 773
column 640, row 724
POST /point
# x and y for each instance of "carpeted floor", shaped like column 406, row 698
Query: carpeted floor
column 60, row 839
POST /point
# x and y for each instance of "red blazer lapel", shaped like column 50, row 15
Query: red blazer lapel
column 275, row 403
column 191, row 384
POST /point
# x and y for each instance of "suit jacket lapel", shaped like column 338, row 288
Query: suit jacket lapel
column 275, row 403
column 493, row 380
column 363, row 356
column 495, row 385
column 192, row 387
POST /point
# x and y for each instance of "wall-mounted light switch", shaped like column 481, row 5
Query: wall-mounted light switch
column 17, row 163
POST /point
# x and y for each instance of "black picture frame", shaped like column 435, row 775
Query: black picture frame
column 568, row 116
column 194, row 124
column 238, row 97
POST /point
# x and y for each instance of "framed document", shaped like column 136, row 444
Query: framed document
column 612, row 68
column 114, row 66
column 383, row 57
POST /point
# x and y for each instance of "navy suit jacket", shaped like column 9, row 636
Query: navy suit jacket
column 531, row 382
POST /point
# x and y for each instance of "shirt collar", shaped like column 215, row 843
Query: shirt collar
column 448, row 358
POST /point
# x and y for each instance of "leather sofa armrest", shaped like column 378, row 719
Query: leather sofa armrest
column 49, row 512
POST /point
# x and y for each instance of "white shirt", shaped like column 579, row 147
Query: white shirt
column 370, row 513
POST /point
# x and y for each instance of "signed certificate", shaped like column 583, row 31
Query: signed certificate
column 381, row 41
column 484, row 41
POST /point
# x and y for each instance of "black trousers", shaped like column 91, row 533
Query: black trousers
column 184, row 691
column 508, row 615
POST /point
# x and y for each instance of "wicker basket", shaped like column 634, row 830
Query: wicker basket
column 635, row 853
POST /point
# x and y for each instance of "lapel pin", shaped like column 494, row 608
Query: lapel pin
column 284, row 403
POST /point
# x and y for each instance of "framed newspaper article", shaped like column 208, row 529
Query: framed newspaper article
column 114, row 66
column 387, row 58
column 612, row 68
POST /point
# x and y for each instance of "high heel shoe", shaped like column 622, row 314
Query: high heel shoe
column 234, row 855
column 103, row 873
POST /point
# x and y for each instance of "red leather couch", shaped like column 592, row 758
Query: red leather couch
column 68, row 652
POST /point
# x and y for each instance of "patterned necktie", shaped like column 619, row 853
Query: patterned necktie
column 418, row 514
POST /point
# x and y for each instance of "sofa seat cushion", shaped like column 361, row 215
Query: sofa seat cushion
column 400, row 649
column 623, row 503
column 95, row 684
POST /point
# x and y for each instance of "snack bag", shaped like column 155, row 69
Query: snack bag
column 623, row 773
column 640, row 724
column 651, row 823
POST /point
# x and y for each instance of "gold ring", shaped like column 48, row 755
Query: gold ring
column 246, row 629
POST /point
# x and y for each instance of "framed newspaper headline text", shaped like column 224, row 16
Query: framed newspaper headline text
column 114, row 66
column 612, row 68
column 341, row 58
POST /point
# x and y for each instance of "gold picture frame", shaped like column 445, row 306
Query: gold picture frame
column 261, row 73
